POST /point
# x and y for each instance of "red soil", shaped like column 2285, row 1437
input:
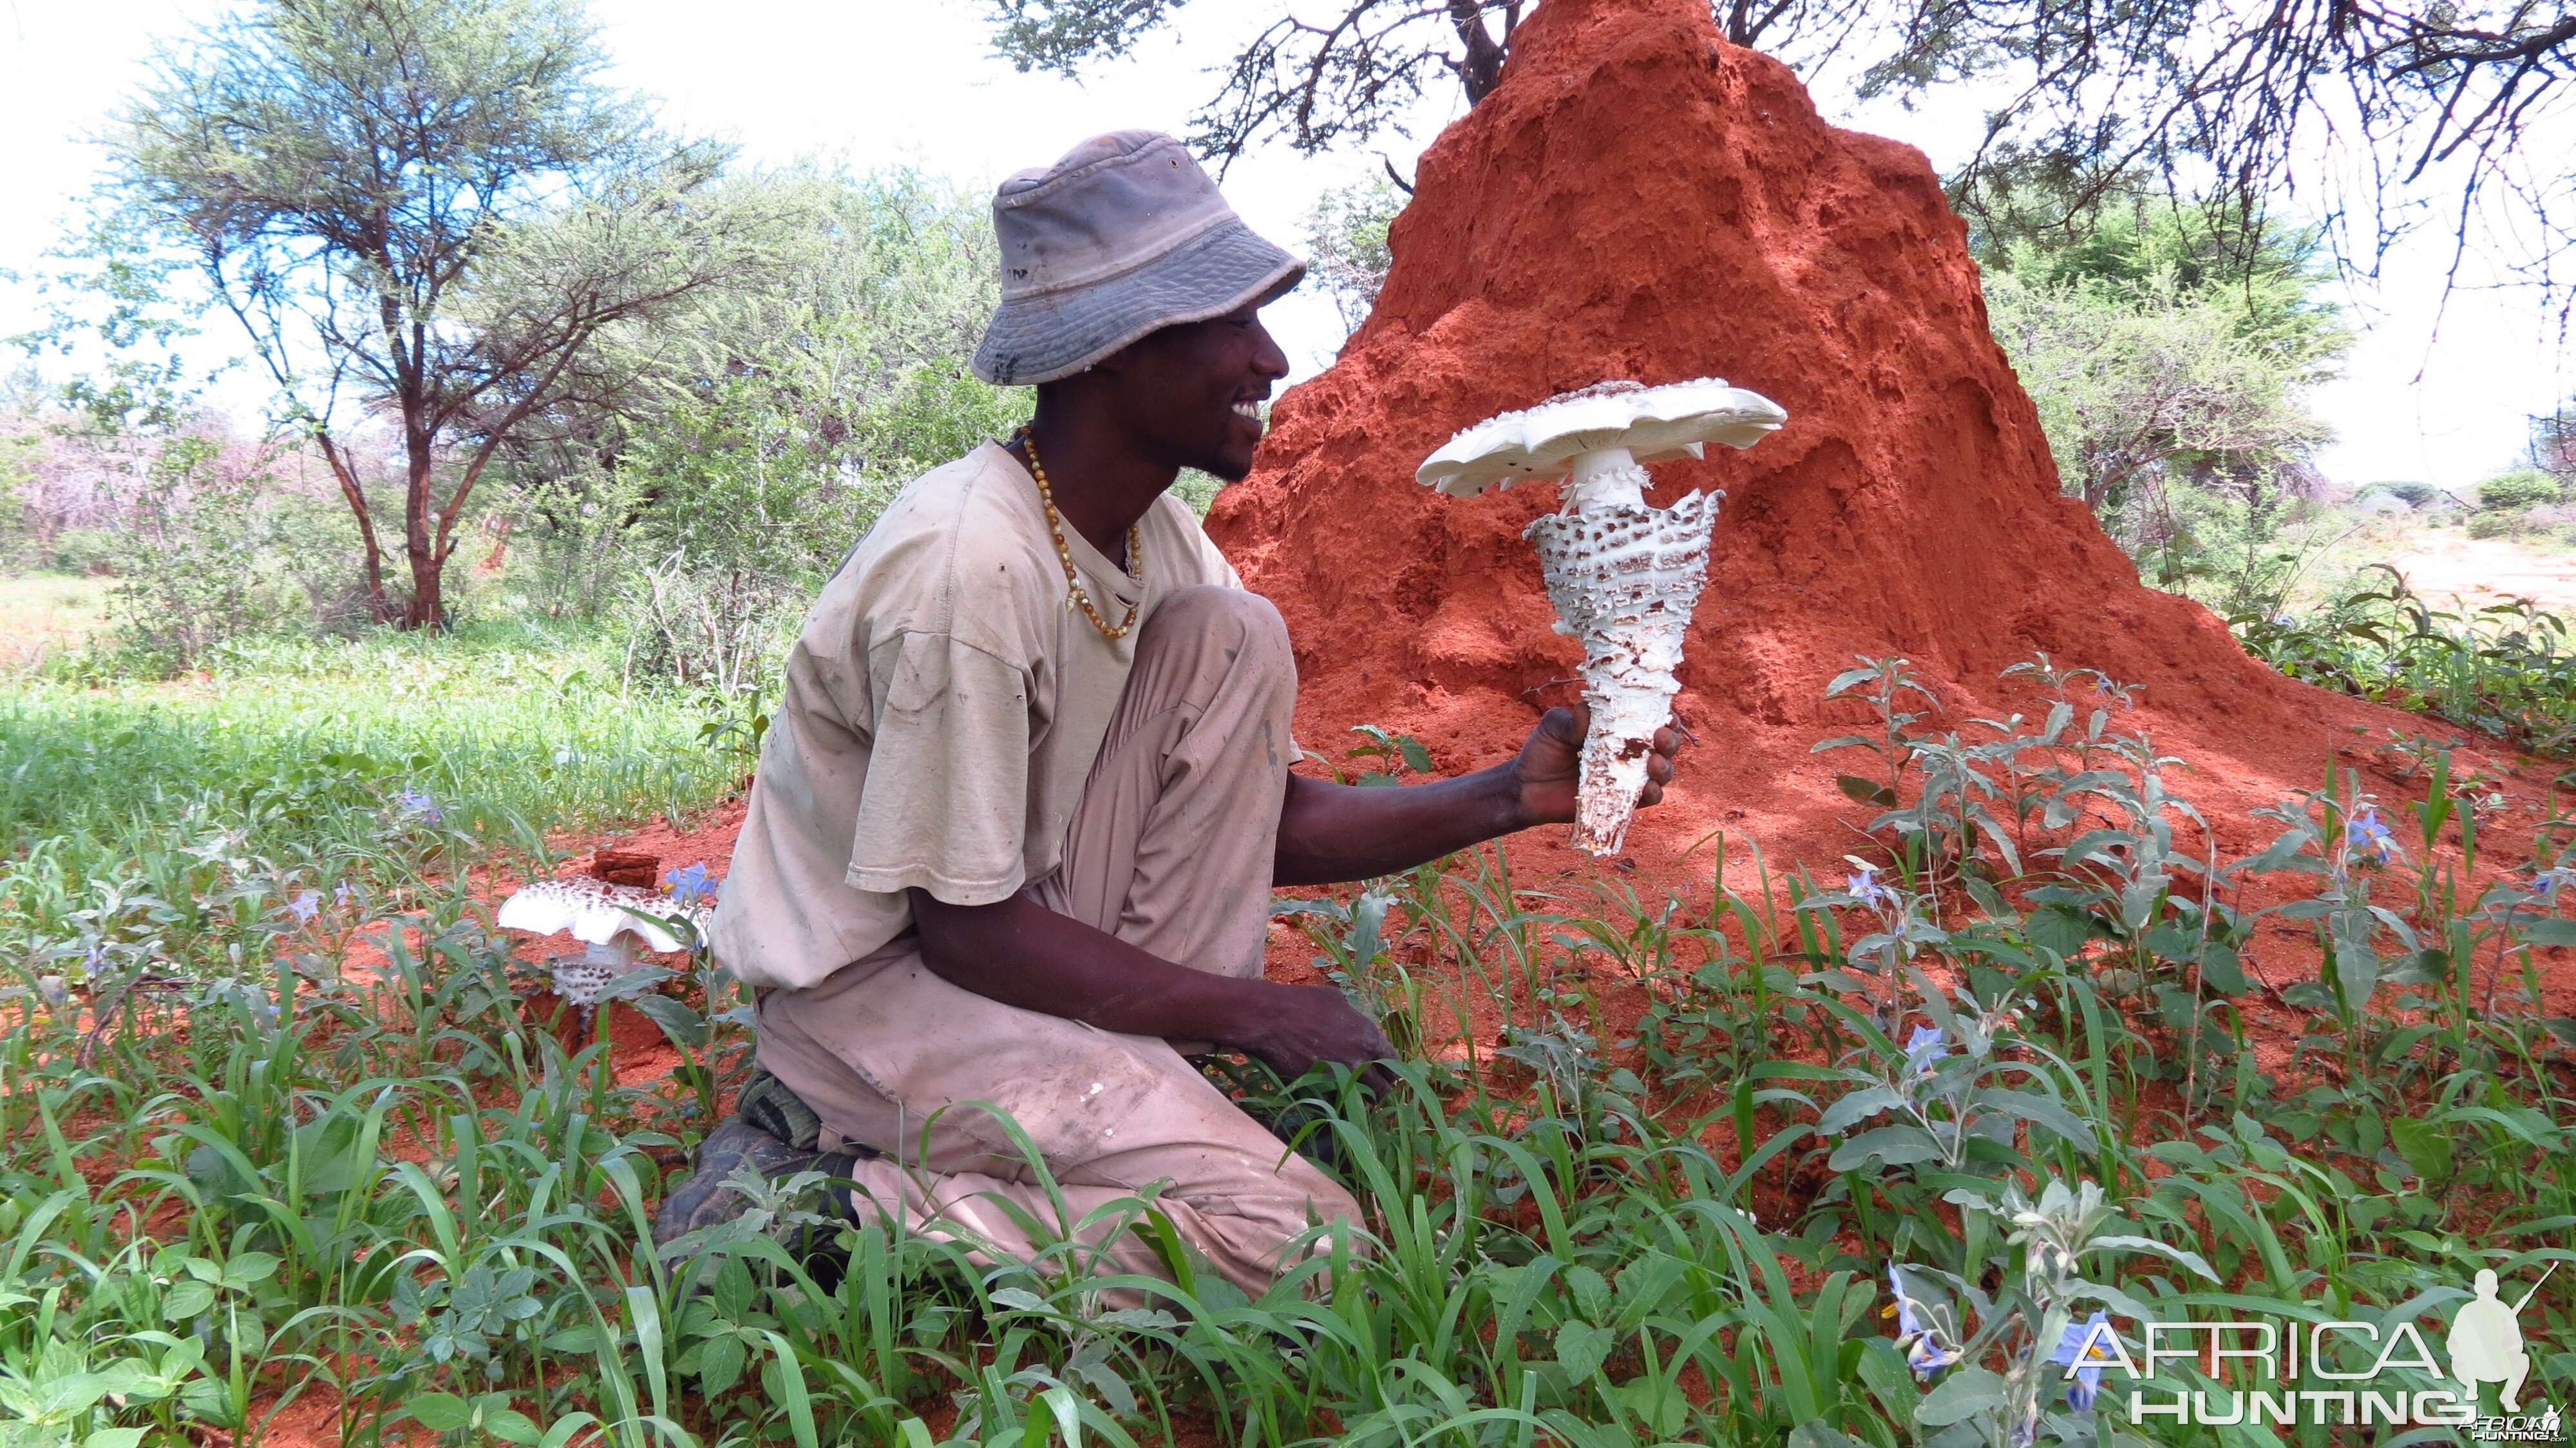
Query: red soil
column 1640, row 199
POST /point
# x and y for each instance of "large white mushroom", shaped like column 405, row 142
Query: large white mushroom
column 1623, row 576
column 611, row 921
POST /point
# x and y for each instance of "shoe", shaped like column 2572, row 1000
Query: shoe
column 704, row 1199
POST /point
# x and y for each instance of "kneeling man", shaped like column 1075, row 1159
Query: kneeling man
column 1027, row 790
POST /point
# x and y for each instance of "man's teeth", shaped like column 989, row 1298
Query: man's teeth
column 1248, row 410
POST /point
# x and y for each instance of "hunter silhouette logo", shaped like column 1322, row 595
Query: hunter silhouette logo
column 2486, row 1340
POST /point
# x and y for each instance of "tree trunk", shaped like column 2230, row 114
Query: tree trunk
column 426, row 564
column 379, row 608
column 1482, row 67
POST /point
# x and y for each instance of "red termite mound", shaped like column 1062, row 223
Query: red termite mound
column 1641, row 200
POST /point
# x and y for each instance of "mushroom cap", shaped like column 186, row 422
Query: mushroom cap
column 597, row 912
column 1657, row 424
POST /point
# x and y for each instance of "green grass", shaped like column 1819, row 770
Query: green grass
column 45, row 614
column 156, row 822
column 394, row 1200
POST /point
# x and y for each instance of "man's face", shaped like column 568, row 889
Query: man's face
column 1192, row 391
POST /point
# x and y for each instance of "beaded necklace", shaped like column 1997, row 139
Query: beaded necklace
column 1074, row 594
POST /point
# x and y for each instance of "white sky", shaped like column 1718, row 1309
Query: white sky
column 881, row 82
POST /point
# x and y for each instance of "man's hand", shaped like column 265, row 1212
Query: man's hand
column 1550, row 766
column 1308, row 1024
column 1020, row 953
column 1334, row 832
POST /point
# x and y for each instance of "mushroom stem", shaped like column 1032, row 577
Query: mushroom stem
column 607, row 960
column 1624, row 578
column 1610, row 477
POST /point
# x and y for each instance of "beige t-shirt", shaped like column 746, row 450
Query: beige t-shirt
column 941, row 712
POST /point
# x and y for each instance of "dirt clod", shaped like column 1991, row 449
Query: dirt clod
column 627, row 867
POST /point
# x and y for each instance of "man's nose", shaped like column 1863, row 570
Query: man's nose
column 1268, row 359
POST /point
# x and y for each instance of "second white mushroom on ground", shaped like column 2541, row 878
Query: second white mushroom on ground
column 1624, row 576
column 613, row 923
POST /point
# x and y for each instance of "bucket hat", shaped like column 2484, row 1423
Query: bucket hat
column 1124, row 236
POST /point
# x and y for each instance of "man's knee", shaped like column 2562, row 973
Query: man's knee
column 1255, row 1232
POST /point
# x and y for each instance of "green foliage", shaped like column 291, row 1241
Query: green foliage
column 193, row 574
column 2178, row 415
column 1346, row 243
column 119, row 305
column 735, row 450
column 2506, row 669
column 15, row 472
column 162, row 826
column 2147, row 248
column 1868, row 1160
column 2519, row 490
column 2169, row 349
column 2134, row 384
column 423, row 209
column 2414, row 495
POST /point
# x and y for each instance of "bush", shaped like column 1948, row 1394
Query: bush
column 2518, row 491
column 84, row 550
column 2507, row 669
column 2415, row 495
column 757, row 434
column 199, row 548
column 2494, row 525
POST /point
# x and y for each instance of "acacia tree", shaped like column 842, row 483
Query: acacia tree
column 2437, row 110
column 349, row 174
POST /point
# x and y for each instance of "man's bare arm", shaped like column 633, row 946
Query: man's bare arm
column 1020, row 953
column 1333, row 832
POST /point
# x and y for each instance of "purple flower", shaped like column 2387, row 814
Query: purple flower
column 419, row 803
column 342, row 894
column 1923, row 1048
column 1923, row 1350
column 690, row 886
column 2079, row 1351
column 1865, row 888
column 305, row 906
column 2367, row 831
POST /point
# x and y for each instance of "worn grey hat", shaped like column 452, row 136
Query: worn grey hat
column 1124, row 236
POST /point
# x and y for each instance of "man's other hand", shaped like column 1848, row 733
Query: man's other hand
column 1550, row 766
column 1308, row 1024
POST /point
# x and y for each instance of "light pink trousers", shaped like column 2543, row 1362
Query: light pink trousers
column 1170, row 850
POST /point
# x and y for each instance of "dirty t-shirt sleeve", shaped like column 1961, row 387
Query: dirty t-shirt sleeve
column 946, row 801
